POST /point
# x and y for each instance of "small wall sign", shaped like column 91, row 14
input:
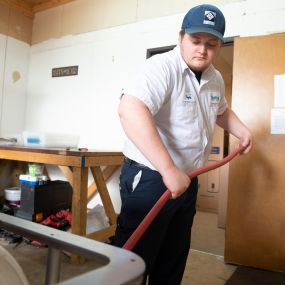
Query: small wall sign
column 215, row 150
column 65, row 71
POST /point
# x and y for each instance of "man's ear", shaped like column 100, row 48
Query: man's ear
column 180, row 36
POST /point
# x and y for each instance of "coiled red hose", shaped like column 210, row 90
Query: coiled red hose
column 137, row 234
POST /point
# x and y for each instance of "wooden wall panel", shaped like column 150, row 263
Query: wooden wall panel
column 20, row 6
column 4, row 19
column 20, row 27
column 256, row 202
column 47, row 24
column 15, row 24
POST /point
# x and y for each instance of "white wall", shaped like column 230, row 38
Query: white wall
column 87, row 104
column 3, row 42
column 14, row 61
column 254, row 17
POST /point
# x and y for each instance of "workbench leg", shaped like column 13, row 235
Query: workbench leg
column 104, row 194
column 108, row 171
column 79, row 206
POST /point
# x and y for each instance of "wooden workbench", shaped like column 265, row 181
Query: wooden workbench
column 75, row 164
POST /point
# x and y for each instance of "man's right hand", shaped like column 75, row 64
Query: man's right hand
column 176, row 180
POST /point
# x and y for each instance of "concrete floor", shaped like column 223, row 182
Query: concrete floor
column 206, row 269
column 205, row 264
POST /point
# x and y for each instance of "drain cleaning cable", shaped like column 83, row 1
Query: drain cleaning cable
column 137, row 234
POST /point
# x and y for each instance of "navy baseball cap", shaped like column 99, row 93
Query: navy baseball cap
column 205, row 18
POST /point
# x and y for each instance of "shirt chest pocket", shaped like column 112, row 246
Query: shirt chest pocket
column 187, row 108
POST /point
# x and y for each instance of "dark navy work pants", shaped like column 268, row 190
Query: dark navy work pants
column 166, row 243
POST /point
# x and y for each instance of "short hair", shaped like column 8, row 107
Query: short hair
column 182, row 33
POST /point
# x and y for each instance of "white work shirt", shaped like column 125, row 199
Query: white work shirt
column 184, row 111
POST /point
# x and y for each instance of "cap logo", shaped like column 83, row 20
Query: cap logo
column 209, row 18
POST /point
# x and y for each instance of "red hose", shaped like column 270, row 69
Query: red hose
column 137, row 234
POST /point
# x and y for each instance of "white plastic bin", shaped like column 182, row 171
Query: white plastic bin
column 50, row 139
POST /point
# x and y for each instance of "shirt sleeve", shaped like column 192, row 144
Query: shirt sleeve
column 151, row 83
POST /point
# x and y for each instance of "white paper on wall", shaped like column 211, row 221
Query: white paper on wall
column 279, row 91
column 277, row 121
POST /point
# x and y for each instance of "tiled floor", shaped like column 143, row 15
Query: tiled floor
column 205, row 264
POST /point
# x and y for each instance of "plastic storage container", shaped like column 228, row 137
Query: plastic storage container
column 35, row 169
column 33, row 180
column 39, row 201
column 50, row 140
column 13, row 195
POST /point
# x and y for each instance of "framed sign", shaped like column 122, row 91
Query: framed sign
column 65, row 71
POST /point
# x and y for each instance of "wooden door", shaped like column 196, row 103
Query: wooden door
column 255, row 230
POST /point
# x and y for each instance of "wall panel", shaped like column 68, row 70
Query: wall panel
column 14, row 87
column 4, row 19
column 20, row 26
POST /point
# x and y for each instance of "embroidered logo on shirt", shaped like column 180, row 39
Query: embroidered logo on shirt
column 215, row 99
column 209, row 18
column 189, row 98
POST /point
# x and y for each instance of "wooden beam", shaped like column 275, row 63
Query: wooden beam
column 67, row 171
column 49, row 4
column 104, row 194
column 40, row 157
column 104, row 234
column 107, row 173
column 19, row 6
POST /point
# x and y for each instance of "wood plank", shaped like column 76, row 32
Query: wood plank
column 79, row 201
column 79, row 206
column 20, row 26
column 40, row 158
column 49, row 4
column 107, row 173
column 4, row 19
column 20, row 6
column 104, row 194
column 68, row 173
column 105, row 160
column 103, row 234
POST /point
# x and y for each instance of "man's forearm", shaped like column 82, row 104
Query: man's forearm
column 230, row 122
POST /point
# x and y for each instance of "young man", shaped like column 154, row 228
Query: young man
column 168, row 114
